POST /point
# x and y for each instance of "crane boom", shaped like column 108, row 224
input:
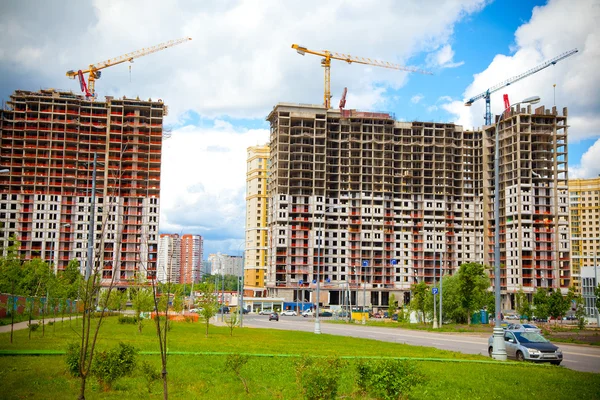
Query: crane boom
column 326, row 63
column 93, row 70
column 486, row 95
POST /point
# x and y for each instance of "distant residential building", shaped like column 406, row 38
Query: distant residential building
column 255, row 268
column 191, row 258
column 169, row 258
column 584, row 201
column 223, row 264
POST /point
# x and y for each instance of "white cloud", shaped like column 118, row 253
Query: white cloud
column 239, row 61
column 432, row 108
column 416, row 98
column 443, row 58
column 444, row 98
column 589, row 166
column 544, row 37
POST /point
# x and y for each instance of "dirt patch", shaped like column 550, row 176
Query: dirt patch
column 587, row 336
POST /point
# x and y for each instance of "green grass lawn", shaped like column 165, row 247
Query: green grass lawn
column 204, row 376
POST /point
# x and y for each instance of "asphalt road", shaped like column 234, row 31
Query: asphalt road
column 576, row 357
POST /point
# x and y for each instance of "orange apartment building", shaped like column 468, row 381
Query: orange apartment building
column 48, row 141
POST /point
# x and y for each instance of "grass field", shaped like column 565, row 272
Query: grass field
column 204, row 376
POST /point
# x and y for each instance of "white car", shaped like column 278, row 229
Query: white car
column 265, row 312
column 308, row 313
column 289, row 313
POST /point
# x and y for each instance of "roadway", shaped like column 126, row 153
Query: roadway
column 576, row 357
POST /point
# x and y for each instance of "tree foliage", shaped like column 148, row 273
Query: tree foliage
column 540, row 301
column 472, row 286
column 418, row 302
column 557, row 305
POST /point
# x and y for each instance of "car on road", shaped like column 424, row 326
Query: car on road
column 265, row 312
column 325, row 314
column 273, row 316
column 523, row 327
column 289, row 313
column 224, row 310
column 528, row 346
column 308, row 313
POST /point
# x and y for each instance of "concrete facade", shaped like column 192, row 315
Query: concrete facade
column 367, row 202
column 584, row 202
column 255, row 257
column 48, row 141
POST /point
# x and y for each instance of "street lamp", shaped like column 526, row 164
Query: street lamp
column 318, row 294
column 365, row 264
column 499, row 350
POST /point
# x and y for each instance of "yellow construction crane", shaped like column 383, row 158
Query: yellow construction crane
column 326, row 63
column 94, row 73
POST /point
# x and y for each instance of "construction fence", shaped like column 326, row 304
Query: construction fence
column 36, row 305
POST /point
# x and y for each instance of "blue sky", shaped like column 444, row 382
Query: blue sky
column 221, row 85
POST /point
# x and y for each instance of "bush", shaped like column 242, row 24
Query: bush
column 72, row 358
column 123, row 319
column 149, row 373
column 110, row 365
column 313, row 382
column 33, row 327
column 388, row 379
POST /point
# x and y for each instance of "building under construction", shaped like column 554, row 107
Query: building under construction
column 49, row 140
column 362, row 202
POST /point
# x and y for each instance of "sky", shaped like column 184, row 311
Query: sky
column 221, row 85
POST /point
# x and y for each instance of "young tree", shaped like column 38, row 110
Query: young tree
column 207, row 301
column 141, row 300
column 392, row 305
column 523, row 304
column 232, row 321
column 557, row 305
column 580, row 311
column 472, row 286
column 419, row 295
column 540, row 301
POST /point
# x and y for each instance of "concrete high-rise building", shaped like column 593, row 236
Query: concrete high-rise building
column 192, row 252
column 48, row 143
column 223, row 264
column 169, row 258
column 584, row 201
column 534, row 201
column 255, row 267
column 379, row 204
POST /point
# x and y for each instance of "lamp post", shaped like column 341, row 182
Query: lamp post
column 365, row 264
column 241, row 293
column 499, row 348
column 318, row 293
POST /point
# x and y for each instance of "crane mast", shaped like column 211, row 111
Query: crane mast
column 486, row 95
column 326, row 64
column 94, row 72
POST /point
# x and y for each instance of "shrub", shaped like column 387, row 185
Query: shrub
column 72, row 357
column 149, row 373
column 387, row 379
column 33, row 327
column 110, row 365
column 314, row 383
column 123, row 319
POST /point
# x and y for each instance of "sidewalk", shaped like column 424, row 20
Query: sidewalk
column 23, row 325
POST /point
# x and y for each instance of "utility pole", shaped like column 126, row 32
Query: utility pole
column 365, row 264
column 435, row 324
column 441, row 292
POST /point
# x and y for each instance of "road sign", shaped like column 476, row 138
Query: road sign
column 300, row 282
column 394, row 262
column 365, row 263
column 434, row 290
column 314, row 281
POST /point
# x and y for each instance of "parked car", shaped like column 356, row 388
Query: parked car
column 265, row 312
column 289, row 313
column 224, row 310
column 395, row 317
column 523, row 327
column 325, row 314
column 528, row 346
column 308, row 313
column 273, row 316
